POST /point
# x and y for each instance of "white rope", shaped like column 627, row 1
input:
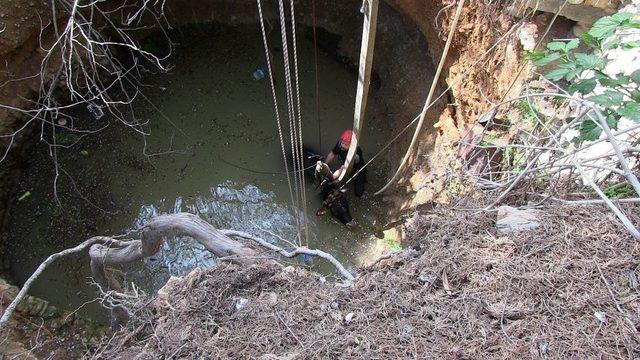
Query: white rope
column 298, row 177
column 427, row 104
column 275, row 99
column 300, row 144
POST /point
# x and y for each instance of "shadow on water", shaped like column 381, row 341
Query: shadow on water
column 226, row 123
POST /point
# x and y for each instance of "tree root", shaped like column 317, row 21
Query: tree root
column 108, row 251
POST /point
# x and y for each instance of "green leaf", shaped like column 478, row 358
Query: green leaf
column 635, row 95
column 631, row 44
column 572, row 45
column 590, row 40
column 589, row 130
column 588, row 61
column 556, row 46
column 583, row 87
column 635, row 76
column 608, row 99
column 535, row 55
column 630, row 110
column 572, row 74
column 604, row 27
column 611, row 44
column 620, row 79
column 557, row 74
column 621, row 17
column 612, row 120
column 548, row 59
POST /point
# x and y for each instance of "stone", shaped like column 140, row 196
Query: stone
column 169, row 288
column 511, row 219
column 585, row 12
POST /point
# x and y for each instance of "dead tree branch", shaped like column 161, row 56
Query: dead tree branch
column 107, row 251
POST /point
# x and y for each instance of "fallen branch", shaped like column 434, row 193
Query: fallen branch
column 23, row 292
column 621, row 216
column 295, row 252
column 107, row 251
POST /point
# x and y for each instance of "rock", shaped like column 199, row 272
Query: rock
column 528, row 36
column 169, row 288
column 511, row 219
column 241, row 303
column 349, row 317
column 584, row 12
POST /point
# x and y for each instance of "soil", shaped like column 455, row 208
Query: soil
column 460, row 291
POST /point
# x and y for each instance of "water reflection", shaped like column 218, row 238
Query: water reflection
column 230, row 205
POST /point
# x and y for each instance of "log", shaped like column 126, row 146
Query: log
column 152, row 236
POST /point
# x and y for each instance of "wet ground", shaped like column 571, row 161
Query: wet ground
column 214, row 152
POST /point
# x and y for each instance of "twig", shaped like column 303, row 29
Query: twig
column 623, row 218
column 23, row 292
column 295, row 252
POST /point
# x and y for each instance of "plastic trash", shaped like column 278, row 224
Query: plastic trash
column 259, row 74
column 95, row 110
column 306, row 260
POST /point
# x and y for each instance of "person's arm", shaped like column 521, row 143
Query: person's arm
column 336, row 174
column 330, row 156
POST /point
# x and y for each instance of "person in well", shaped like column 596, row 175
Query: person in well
column 340, row 151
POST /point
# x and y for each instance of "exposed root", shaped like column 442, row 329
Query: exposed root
column 466, row 293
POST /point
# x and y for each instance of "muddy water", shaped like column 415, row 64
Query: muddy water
column 214, row 152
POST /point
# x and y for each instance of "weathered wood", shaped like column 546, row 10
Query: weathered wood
column 152, row 236
column 370, row 8
column 107, row 251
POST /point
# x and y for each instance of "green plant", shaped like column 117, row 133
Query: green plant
column 619, row 191
column 392, row 243
column 619, row 94
column 514, row 157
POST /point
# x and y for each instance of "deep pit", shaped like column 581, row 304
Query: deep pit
column 213, row 150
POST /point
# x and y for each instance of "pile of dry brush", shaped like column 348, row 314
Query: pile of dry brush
column 569, row 289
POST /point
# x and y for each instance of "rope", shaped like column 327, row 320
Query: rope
column 317, row 93
column 454, row 83
column 427, row 104
column 275, row 99
column 289, row 92
column 299, row 180
column 300, row 144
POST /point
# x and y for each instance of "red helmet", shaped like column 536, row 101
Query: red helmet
column 346, row 136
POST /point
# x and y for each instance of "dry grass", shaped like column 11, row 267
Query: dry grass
column 465, row 293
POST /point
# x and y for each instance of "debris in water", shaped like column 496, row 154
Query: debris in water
column 84, row 153
column 335, row 304
column 25, row 195
column 306, row 259
column 259, row 74
column 95, row 110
